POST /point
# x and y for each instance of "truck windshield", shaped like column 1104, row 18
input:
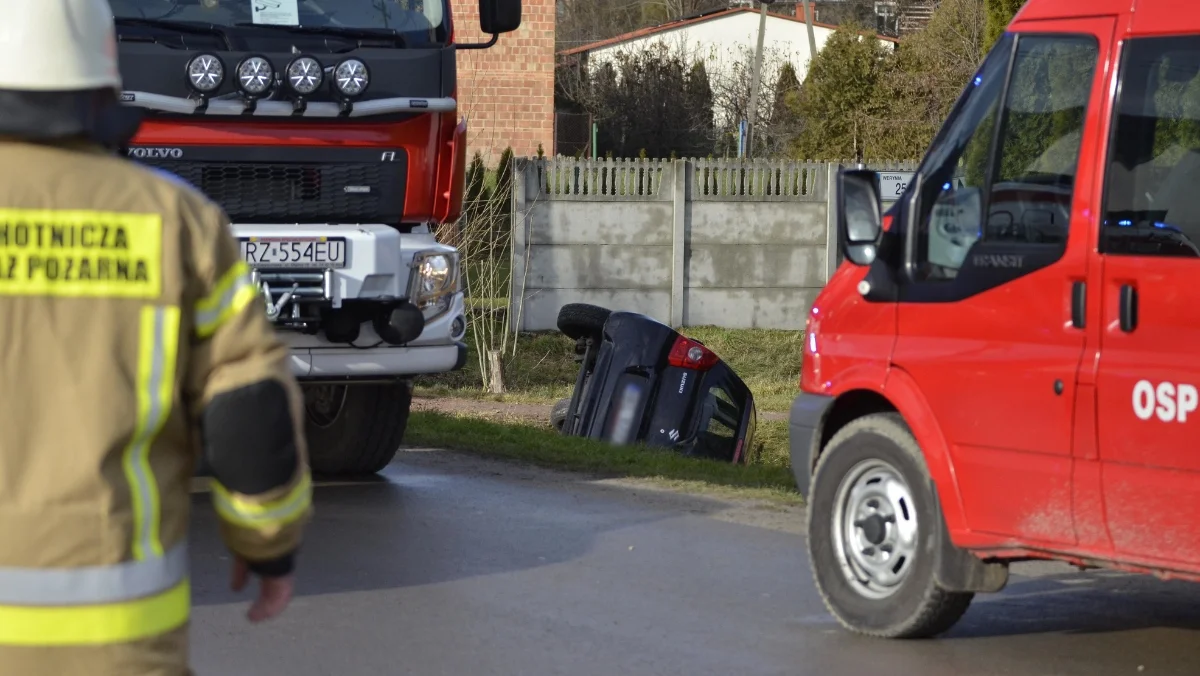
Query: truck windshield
column 413, row 19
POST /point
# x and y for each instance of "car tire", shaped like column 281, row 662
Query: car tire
column 558, row 414
column 580, row 320
column 873, row 553
column 365, row 431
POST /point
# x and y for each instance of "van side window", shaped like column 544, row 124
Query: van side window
column 1152, row 201
column 1026, row 182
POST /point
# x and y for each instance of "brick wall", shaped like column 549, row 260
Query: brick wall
column 506, row 92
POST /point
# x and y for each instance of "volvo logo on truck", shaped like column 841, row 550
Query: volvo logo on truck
column 144, row 153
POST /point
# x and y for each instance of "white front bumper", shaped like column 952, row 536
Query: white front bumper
column 378, row 266
column 378, row 257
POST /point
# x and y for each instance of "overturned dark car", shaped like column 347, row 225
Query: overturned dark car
column 640, row 381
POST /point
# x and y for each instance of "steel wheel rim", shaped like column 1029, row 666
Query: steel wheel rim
column 324, row 403
column 875, row 529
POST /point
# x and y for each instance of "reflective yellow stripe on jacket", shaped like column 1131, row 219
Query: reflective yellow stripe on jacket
column 146, row 596
column 232, row 293
column 267, row 515
column 96, row 604
column 157, row 348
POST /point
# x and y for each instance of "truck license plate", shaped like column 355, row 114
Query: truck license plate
column 294, row 252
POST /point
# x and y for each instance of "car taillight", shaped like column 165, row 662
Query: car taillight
column 688, row 354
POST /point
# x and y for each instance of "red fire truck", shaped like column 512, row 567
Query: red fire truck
column 329, row 132
column 1005, row 368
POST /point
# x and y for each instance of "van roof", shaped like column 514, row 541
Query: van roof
column 1152, row 17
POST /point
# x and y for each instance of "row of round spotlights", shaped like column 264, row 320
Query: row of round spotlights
column 255, row 75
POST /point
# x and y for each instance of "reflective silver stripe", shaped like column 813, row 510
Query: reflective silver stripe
column 154, row 420
column 206, row 318
column 158, row 337
column 93, row 584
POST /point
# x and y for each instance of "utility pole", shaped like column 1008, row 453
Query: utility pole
column 755, row 76
column 812, row 38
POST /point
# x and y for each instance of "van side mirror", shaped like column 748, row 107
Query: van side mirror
column 859, row 215
column 499, row 16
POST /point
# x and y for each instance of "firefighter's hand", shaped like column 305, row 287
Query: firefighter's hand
column 274, row 594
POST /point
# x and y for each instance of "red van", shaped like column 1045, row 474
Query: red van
column 980, row 391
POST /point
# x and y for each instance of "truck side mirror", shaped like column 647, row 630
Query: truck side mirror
column 499, row 16
column 859, row 214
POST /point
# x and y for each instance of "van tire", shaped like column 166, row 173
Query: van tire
column 581, row 320
column 363, row 434
column 918, row 607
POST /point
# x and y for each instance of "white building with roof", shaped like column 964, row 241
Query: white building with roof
column 723, row 39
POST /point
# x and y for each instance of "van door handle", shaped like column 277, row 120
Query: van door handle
column 1079, row 305
column 1129, row 308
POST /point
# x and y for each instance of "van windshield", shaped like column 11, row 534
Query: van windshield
column 402, row 16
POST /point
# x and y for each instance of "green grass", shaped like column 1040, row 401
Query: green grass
column 536, row 444
column 771, row 442
column 543, row 369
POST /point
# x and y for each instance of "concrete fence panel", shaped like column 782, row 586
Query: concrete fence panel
column 732, row 243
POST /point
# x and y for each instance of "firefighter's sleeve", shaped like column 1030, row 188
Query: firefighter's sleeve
column 247, row 405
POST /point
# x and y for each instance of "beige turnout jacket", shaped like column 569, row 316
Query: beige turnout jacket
column 124, row 308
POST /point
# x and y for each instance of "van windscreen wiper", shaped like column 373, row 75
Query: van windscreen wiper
column 353, row 33
column 194, row 27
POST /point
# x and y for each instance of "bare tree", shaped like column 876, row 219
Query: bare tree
column 673, row 10
column 731, row 82
column 863, row 12
column 581, row 22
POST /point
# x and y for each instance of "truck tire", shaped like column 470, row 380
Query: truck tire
column 355, row 429
column 558, row 414
column 579, row 320
column 872, row 553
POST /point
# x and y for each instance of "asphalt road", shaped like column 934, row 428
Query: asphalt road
column 456, row 566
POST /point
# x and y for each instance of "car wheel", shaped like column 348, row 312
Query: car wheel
column 558, row 414
column 579, row 320
column 873, row 529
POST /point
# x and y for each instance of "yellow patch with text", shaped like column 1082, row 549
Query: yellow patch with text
column 80, row 254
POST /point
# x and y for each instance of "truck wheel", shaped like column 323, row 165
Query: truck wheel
column 355, row 429
column 578, row 320
column 873, row 533
column 558, row 414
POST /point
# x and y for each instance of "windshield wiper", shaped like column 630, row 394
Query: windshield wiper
column 194, row 27
column 388, row 34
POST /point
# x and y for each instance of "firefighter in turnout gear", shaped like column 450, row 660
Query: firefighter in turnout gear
column 131, row 342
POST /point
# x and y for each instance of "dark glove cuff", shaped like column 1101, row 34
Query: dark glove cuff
column 273, row 567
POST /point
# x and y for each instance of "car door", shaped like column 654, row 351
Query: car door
column 985, row 322
column 1148, row 373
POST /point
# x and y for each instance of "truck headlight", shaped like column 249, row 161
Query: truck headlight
column 435, row 273
column 435, row 278
column 351, row 78
column 205, row 73
column 255, row 76
column 305, row 75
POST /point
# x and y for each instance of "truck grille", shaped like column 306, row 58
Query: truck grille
column 296, row 185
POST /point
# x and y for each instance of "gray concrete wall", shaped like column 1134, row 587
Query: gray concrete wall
column 739, row 244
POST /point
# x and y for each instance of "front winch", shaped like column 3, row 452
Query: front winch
column 293, row 298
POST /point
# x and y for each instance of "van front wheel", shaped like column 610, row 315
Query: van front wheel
column 873, row 532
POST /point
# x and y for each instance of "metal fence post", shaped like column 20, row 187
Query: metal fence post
column 679, row 198
column 518, row 221
column 832, row 248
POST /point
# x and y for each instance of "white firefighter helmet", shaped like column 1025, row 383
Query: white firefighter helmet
column 58, row 45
